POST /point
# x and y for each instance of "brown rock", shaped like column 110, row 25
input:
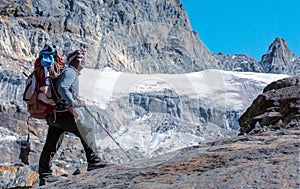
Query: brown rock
column 278, row 107
column 17, row 177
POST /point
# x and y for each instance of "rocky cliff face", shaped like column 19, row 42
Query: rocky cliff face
column 129, row 36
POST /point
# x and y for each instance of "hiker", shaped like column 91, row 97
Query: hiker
column 64, row 120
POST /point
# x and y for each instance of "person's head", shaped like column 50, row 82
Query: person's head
column 76, row 59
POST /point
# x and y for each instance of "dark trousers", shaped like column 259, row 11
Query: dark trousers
column 64, row 122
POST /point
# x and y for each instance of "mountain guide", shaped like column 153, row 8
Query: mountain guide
column 65, row 120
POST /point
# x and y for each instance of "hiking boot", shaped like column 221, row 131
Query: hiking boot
column 76, row 172
column 47, row 180
column 97, row 164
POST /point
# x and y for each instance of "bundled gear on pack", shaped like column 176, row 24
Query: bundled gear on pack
column 40, row 94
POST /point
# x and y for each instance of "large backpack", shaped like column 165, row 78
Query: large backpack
column 40, row 94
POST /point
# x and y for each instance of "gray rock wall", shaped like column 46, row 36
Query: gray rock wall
column 129, row 36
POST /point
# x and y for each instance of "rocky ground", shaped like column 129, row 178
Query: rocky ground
column 265, row 160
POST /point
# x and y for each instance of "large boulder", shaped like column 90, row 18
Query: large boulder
column 277, row 107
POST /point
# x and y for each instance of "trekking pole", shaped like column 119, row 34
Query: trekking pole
column 101, row 125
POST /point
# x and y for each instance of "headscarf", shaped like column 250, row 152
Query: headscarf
column 73, row 55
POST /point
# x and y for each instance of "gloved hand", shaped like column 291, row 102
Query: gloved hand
column 80, row 103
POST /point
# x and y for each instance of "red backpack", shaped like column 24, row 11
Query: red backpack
column 41, row 98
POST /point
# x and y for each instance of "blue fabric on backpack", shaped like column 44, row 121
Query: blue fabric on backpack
column 47, row 55
column 49, row 49
column 47, row 60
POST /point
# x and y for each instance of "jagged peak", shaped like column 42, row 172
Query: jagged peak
column 278, row 45
column 278, row 57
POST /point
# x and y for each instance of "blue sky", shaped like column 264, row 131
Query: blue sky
column 245, row 26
